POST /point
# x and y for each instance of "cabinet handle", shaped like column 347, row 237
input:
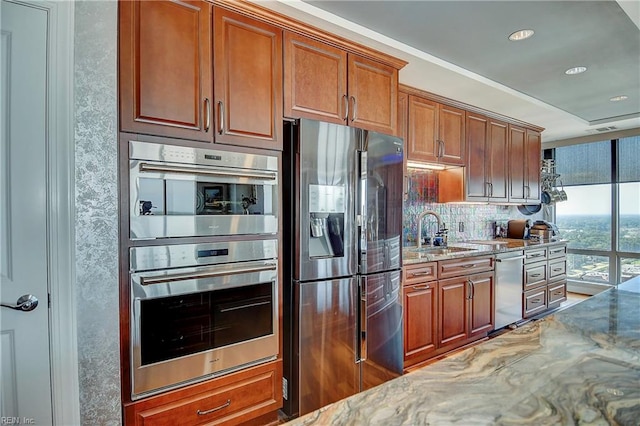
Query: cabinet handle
column 536, row 255
column 558, row 293
column 205, row 412
column 440, row 153
column 536, row 275
column 490, row 189
column 471, row 289
column 345, row 98
column 557, row 269
column 468, row 265
column 528, row 191
column 207, row 114
column 536, row 300
column 421, row 287
column 220, row 117
column 355, row 109
column 420, row 274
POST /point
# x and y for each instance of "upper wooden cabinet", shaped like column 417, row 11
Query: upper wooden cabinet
column 166, row 68
column 486, row 172
column 248, row 81
column 326, row 83
column 525, row 150
column 436, row 132
column 168, row 78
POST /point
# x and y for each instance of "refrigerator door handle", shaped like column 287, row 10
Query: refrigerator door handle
column 362, row 214
column 362, row 326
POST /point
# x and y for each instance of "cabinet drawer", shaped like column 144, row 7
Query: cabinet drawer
column 557, row 251
column 420, row 273
column 253, row 393
column 464, row 266
column 535, row 301
column 535, row 255
column 557, row 268
column 557, row 292
column 535, row 275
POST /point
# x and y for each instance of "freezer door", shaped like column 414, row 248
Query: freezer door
column 380, row 203
column 324, row 208
column 327, row 314
column 381, row 337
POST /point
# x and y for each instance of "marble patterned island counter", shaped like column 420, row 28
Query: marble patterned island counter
column 580, row 365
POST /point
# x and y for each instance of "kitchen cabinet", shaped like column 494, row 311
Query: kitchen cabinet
column 327, row 83
column 525, row 150
column 247, row 81
column 486, row 169
column 172, row 64
column 253, row 394
column 420, row 312
column 166, row 85
column 545, row 279
column 436, row 132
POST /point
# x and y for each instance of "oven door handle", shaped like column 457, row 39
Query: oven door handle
column 204, row 274
column 165, row 168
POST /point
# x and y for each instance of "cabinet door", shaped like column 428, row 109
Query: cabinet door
column 477, row 182
column 451, row 133
column 422, row 130
column 533, row 154
column 315, row 80
column 497, row 160
column 248, row 81
column 452, row 311
column 165, row 68
column 517, row 164
column 373, row 95
column 481, row 304
column 420, row 322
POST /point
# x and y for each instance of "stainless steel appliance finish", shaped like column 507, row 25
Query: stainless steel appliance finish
column 201, row 310
column 509, row 276
column 178, row 191
column 343, row 310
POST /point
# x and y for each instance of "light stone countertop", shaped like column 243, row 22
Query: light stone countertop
column 580, row 365
column 413, row 255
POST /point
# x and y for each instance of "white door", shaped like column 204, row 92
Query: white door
column 24, row 334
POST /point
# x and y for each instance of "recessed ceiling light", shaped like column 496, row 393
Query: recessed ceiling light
column 619, row 98
column 575, row 70
column 520, row 35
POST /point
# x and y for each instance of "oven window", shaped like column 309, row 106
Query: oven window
column 169, row 197
column 181, row 325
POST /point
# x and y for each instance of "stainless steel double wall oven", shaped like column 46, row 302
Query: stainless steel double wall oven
column 208, row 306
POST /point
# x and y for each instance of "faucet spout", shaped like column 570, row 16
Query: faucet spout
column 420, row 217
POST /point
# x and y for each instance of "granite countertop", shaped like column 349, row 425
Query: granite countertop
column 412, row 255
column 580, row 365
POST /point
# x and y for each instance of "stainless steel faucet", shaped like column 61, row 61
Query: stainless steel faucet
column 420, row 217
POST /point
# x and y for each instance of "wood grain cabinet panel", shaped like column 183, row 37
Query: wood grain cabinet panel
column 373, row 95
column 315, row 80
column 420, row 322
column 248, row 81
column 165, row 68
column 525, row 151
column 481, row 304
column 453, row 320
column 326, row 83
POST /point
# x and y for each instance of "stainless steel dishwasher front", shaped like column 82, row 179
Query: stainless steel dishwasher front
column 509, row 275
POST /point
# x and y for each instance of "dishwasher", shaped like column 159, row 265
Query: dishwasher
column 509, row 275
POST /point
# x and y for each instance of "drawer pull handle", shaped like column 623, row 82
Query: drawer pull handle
column 419, row 287
column 535, row 255
column 536, row 275
column 536, row 301
column 420, row 274
column 558, row 293
column 205, row 412
column 469, row 265
column 557, row 269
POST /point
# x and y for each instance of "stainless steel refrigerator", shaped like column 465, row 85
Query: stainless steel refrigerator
column 342, row 238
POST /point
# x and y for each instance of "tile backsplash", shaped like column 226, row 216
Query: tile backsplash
column 478, row 220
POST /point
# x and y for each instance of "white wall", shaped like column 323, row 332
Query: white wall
column 96, row 200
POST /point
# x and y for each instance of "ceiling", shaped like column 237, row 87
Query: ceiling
column 460, row 50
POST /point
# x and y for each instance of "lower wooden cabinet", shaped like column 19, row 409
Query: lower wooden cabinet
column 444, row 312
column 545, row 279
column 254, row 393
column 420, row 322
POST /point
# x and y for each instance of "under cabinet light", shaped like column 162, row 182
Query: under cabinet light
column 428, row 166
column 619, row 98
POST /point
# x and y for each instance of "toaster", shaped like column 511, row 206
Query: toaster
column 518, row 228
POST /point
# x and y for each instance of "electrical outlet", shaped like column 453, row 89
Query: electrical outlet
column 285, row 388
column 460, row 226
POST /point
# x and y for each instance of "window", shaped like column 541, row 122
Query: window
column 601, row 217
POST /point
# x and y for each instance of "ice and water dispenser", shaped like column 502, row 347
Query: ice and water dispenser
column 327, row 208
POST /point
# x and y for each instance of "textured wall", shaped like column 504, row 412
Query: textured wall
column 97, row 211
column 478, row 219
